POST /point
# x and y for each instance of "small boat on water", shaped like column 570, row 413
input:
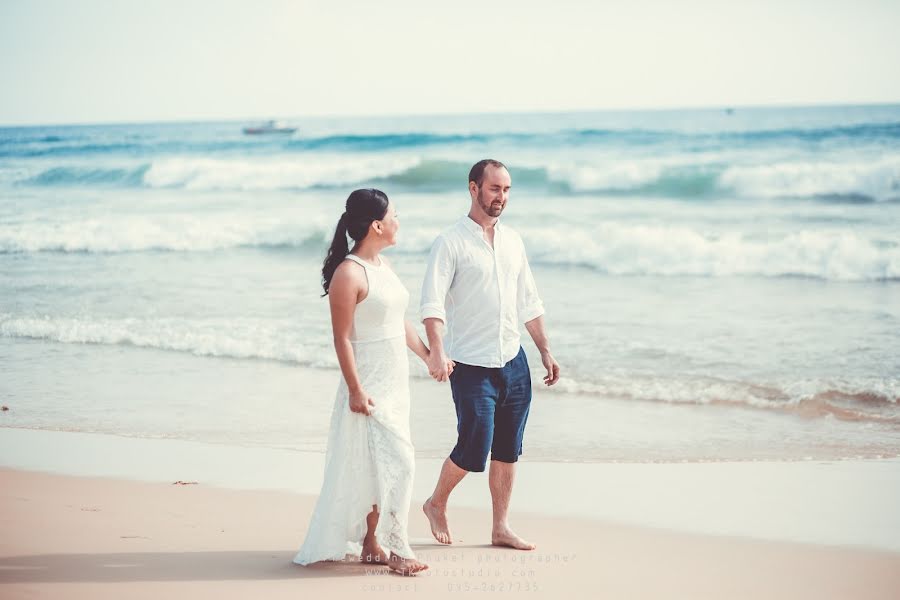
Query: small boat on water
column 269, row 127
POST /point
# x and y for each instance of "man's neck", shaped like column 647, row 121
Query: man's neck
column 486, row 222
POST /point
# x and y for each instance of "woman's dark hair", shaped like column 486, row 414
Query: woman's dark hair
column 363, row 207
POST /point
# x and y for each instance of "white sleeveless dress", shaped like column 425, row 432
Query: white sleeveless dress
column 369, row 460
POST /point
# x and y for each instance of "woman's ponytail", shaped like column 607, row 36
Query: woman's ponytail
column 336, row 253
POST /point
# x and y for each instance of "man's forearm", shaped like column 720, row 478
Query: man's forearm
column 535, row 328
column 434, row 329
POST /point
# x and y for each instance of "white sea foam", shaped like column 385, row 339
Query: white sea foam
column 174, row 231
column 629, row 249
column 849, row 398
column 618, row 175
column 878, row 179
column 234, row 338
column 715, row 390
column 610, row 247
column 272, row 173
column 703, row 175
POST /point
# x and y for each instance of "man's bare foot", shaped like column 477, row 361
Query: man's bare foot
column 506, row 537
column 405, row 566
column 437, row 517
column 372, row 552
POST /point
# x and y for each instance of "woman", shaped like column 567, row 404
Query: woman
column 369, row 462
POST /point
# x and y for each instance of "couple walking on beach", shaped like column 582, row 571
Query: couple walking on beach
column 478, row 287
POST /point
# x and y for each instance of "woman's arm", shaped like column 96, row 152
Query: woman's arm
column 343, row 294
column 414, row 342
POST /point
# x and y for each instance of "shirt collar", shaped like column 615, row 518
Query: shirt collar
column 474, row 227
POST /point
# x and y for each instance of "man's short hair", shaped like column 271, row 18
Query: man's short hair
column 476, row 173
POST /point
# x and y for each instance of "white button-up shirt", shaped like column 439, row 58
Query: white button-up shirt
column 480, row 293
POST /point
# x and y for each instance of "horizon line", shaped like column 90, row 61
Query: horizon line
column 717, row 107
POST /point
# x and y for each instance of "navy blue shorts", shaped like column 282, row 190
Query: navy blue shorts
column 491, row 410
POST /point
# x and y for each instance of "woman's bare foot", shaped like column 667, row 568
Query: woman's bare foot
column 506, row 537
column 405, row 566
column 437, row 517
column 372, row 552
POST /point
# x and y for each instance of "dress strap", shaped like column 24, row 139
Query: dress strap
column 365, row 264
column 356, row 259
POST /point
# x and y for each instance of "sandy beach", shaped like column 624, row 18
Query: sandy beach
column 87, row 537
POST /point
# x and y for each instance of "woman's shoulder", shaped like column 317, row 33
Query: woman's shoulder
column 348, row 271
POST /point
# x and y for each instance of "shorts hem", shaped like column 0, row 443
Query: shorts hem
column 465, row 468
column 505, row 459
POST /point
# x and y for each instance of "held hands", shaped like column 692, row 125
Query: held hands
column 439, row 366
column 552, row 367
column 360, row 402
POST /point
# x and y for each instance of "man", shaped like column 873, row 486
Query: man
column 479, row 284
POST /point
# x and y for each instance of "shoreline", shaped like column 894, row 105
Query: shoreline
column 271, row 404
column 152, row 540
column 841, row 503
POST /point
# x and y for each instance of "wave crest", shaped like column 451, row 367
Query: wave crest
column 232, row 338
column 173, row 232
column 852, row 182
column 865, row 400
column 609, row 247
column 625, row 249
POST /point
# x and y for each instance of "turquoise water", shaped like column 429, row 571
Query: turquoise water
column 691, row 259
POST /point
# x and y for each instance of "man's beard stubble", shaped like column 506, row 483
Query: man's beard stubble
column 488, row 208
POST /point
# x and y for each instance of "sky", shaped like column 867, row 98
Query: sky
column 100, row 61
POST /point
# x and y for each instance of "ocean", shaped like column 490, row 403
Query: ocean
column 719, row 284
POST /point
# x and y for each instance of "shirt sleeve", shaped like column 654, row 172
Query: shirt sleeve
column 438, row 277
column 528, row 303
